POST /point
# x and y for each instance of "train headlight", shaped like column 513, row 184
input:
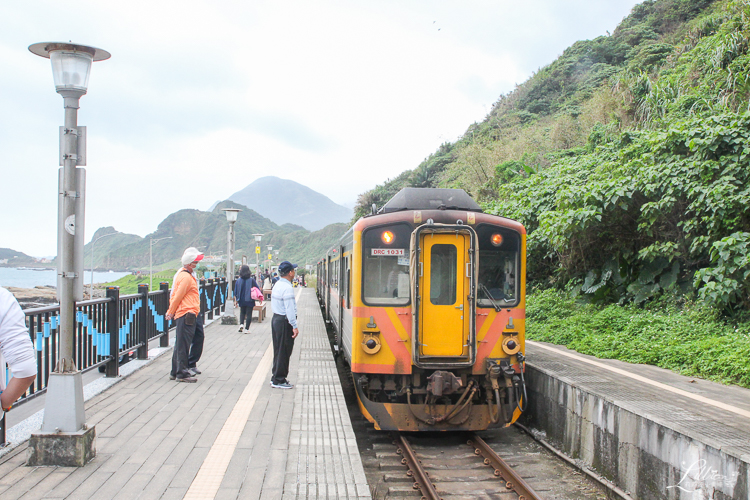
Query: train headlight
column 371, row 337
column 387, row 237
column 497, row 239
column 511, row 345
column 371, row 343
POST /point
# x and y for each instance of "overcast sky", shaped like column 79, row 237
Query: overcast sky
column 201, row 98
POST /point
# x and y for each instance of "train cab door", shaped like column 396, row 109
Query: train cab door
column 445, row 281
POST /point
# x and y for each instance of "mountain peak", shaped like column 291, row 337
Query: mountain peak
column 286, row 201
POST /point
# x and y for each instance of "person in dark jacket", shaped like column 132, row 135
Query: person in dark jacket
column 243, row 297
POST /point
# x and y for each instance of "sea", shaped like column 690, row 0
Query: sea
column 29, row 278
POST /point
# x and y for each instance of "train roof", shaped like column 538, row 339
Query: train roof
column 430, row 199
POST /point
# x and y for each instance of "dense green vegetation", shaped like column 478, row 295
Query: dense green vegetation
column 628, row 161
column 682, row 337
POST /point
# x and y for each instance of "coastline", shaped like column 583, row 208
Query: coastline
column 39, row 296
column 43, row 296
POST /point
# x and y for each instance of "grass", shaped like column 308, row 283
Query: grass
column 129, row 284
column 689, row 339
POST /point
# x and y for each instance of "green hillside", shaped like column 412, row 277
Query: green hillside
column 16, row 258
column 208, row 232
column 626, row 159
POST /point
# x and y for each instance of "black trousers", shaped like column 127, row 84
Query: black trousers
column 283, row 343
column 246, row 315
column 196, row 346
column 184, row 334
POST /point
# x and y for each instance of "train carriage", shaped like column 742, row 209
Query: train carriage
column 427, row 301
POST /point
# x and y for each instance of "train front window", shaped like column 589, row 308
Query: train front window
column 499, row 266
column 385, row 258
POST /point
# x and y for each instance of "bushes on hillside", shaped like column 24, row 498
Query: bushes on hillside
column 643, row 213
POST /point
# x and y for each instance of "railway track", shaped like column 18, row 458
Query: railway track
column 473, row 470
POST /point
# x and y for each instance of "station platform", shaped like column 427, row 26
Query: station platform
column 228, row 436
column 653, row 432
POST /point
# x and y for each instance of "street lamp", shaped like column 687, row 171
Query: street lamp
column 269, row 248
column 151, row 244
column 232, row 214
column 64, row 412
column 91, row 288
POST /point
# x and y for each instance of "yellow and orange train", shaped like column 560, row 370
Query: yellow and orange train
column 427, row 301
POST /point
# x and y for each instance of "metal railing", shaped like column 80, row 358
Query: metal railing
column 109, row 328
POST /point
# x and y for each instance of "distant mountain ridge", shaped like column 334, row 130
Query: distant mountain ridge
column 285, row 201
column 10, row 258
column 208, row 232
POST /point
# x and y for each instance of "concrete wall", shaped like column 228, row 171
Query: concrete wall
column 648, row 459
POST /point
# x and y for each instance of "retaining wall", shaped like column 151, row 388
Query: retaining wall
column 652, row 460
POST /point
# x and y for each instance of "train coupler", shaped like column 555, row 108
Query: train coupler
column 442, row 382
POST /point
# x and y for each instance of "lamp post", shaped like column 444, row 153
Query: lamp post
column 151, row 244
column 257, row 250
column 270, row 263
column 64, row 411
column 232, row 214
column 91, row 287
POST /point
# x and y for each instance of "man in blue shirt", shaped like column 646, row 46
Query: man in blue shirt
column 283, row 324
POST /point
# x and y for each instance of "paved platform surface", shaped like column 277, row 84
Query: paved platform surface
column 715, row 414
column 229, row 436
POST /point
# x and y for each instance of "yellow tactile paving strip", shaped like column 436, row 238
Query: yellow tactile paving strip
column 207, row 481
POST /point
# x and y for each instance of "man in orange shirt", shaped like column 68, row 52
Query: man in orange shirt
column 185, row 306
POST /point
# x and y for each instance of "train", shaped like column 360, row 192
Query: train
column 425, row 297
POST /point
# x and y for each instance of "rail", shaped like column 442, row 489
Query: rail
column 421, row 477
column 513, row 481
column 108, row 328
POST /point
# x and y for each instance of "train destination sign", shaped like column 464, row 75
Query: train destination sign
column 388, row 251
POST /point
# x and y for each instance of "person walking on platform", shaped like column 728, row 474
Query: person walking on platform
column 16, row 349
column 283, row 325
column 244, row 294
column 184, row 305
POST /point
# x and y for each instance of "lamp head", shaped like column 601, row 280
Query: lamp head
column 232, row 213
column 71, row 64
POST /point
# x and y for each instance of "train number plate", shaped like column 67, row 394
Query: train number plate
column 388, row 251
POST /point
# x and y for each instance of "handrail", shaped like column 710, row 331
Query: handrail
column 109, row 328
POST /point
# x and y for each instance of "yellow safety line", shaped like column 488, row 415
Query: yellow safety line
column 206, row 483
column 712, row 402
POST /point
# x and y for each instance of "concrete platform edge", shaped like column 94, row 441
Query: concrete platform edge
column 650, row 459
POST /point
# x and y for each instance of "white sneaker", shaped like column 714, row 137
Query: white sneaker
column 242, row 328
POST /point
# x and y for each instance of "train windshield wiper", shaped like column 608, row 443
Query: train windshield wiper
column 489, row 296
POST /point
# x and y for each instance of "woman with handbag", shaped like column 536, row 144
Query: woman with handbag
column 246, row 292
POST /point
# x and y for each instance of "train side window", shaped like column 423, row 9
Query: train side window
column 385, row 265
column 349, row 282
column 499, row 266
